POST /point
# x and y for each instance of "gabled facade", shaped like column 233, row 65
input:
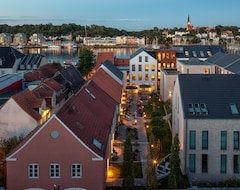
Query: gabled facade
column 69, row 151
column 21, row 114
column 5, row 39
column 143, row 70
column 206, row 117
column 20, row 39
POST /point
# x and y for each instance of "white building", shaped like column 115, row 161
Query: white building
column 143, row 70
column 206, row 117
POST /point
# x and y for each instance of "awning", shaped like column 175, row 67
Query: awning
column 131, row 87
column 144, row 86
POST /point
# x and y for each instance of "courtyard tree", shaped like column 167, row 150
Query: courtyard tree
column 128, row 167
column 175, row 172
column 85, row 62
column 151, row 179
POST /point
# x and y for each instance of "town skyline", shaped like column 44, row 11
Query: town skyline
column 131, row 16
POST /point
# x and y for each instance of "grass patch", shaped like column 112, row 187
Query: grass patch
column 116, row 168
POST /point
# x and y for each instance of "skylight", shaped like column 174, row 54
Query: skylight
column 234, row 109
column 97, row 144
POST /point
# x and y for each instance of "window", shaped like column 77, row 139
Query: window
column 133, row 76
column 192, row 162
column 159, row 56
column 146, row 58
column 146, row 76
column 209, row 53
column 236, row 140
column 223, row 167
column 76, row 170
column 234, row 109
column 146, row 67
column 153, row 67
column 33, row 170
column 153, row 77
column 139, row 76
column 54, row 170
column 236, row 164
column 194, row 54
column 186, row 54
column 205, row 140
column 133, row 67
column 192, row 140
column 140, row 58
column 139, row 67
column 223, row 140
column 206, row 71
column 204, row 163
column 201, row 53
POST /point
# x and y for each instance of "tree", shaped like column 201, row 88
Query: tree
column 127, row 167
column 151, row 180
column 175, row 172
column 85, row 62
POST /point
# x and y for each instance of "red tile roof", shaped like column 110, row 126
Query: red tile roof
column 45, row 71
column 103, row 56
column 53, row 84
column 89, row 115
column 28, row 101
column 108, row 84
column 121, row 62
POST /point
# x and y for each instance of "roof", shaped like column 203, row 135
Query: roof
column 70, row 76
column 8, row 56
column 103, row 56
column 121, row 62
column 226, row 60
column 151, row 53
column 194, row 61
column 199, row 51
column 30, row 61
column 109, row 65
column 28, row 101
column 88, row 114
column 53, row 84
column 43, row 72
column 169, row 71
column 216, row 91
column 108, row 84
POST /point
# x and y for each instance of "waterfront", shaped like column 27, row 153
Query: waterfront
column 60, row 54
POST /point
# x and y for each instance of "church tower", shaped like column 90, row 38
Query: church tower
column 189, row 26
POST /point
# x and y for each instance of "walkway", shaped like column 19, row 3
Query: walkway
column 142, row 143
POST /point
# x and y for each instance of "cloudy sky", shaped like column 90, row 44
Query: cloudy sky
column 131, row 15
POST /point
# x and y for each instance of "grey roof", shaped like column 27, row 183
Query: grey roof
column 151, row 53
column 194, row 61
column 71, row 77
column 113, row 69
column 235, row 68
column 201, row 51
column 30, row 62
column 8, row 56
column 216, row 91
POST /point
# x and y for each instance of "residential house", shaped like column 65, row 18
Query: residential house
column 20, row 39
column 5, row 39
column 32, row 79
column 13, row 61
column 71, row 150
column 205, row 115
column 21, row 114
column 37, row 39
column 143, row 70
column 70, row 79
column 225, row 63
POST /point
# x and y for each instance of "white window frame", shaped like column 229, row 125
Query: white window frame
column 74, row 170
column 33, row 170
column 54, row 170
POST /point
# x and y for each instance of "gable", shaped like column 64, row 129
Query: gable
column 52, row 138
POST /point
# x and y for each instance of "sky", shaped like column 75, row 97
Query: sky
column 130, row 15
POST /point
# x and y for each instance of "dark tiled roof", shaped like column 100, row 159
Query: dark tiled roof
column 30, row 62
column 72, row 76
column 121, row 62
column 89, row 115
column 216, row 91
column 109, row 65
column 235, row 67
column 151, row 53
column 200, row 50
column 108, row 84
column 8, row 56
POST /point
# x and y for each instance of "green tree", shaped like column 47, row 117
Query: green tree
column 127, row 167
column 151, row 179
column 85, row 62
column 175, row 172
